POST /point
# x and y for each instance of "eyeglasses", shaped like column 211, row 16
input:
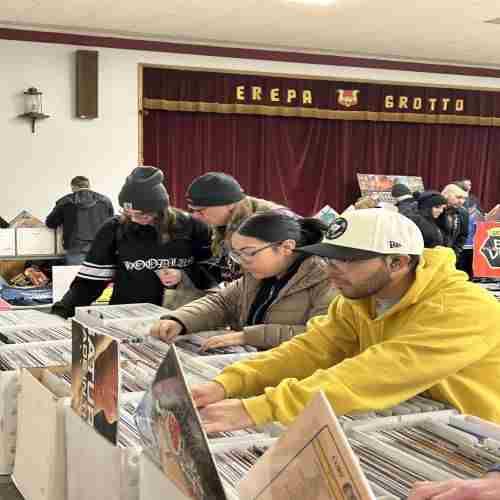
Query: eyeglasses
column 196, row 210
column 138, row 213
column 240, row 256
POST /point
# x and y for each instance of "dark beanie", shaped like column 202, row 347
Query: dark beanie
column 429, row 199
column 214, row 189
column 399, row 190
column 144, row 190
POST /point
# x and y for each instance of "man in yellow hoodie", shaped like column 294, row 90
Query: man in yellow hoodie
column 406, row 322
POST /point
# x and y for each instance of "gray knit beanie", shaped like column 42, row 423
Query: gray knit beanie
column 214, row 189
column 144, row 190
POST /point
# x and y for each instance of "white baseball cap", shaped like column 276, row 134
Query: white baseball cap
column 368, row 233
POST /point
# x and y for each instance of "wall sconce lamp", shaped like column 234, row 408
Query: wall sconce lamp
column 33, row 107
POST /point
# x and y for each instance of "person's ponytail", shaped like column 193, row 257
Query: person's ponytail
column 275, row 226
column 312, row 231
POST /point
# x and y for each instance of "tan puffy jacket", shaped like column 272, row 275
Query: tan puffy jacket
column 307, row 294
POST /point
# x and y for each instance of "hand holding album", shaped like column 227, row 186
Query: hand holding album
column 205, row 394
column 227, row 339
column 169, row 277
column 225, row 415
column 486, row 488
column 166, row 330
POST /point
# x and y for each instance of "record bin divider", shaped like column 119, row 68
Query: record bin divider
column 10, row 384
column 40, row 461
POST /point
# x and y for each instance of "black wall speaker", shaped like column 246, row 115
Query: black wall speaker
column 86, row 84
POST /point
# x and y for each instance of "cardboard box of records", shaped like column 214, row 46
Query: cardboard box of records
column 13, row 358
column 33, row 237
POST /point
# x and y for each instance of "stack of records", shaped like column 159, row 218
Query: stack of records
column 21, row 335
column 114, row 313
column 36, row 355
column 28, row 317
column 234, row 465
column 415, row 405
column 395, row 456
column 193, row 344
column 128, row 435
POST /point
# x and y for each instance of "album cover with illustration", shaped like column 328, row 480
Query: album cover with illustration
column 172, row 433
column 95, row 379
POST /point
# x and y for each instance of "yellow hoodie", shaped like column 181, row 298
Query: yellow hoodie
column 442, row 337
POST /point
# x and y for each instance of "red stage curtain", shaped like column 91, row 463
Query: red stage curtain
column 305, row 163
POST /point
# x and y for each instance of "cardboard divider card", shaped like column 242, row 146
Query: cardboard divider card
column 95, row 379
column 62, row 277
column 40, row 472
column 311, row 460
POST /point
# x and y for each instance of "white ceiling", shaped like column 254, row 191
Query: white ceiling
column 452, row 31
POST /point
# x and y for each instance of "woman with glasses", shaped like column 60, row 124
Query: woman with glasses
column 150, row 246
column 278, row 293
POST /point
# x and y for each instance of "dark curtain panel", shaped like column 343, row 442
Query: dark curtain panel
column 305, row 163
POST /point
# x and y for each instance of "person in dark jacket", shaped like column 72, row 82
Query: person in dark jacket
column 405, row 202
column 457, row 218
column 129, row 249
column 472, row 203
column 80, row 213
column 431, row 219
column 476, row 213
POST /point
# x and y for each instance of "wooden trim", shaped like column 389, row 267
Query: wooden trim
column 330, row 78
column 241, row 53
column 326, row 114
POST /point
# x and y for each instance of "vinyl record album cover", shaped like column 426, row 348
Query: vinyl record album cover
column 380, row 186
column 95, row 380
column 171, row 430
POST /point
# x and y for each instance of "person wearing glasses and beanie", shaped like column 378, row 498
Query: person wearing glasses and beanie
column 218, row 200
column 278, row 293
column 405, row 322
column 131, row 248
